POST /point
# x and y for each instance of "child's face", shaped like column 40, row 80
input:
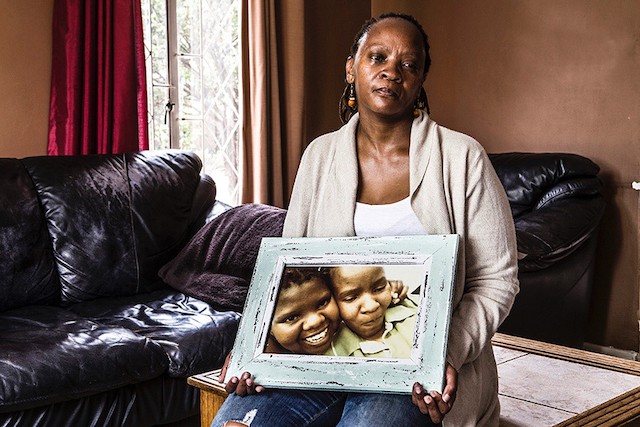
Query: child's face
column 363, row 295
column 306, row 318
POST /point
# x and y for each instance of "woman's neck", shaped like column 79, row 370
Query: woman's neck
column 383, row 162
column 384, row 137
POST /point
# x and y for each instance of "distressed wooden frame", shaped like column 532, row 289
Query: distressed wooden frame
column 428, row 357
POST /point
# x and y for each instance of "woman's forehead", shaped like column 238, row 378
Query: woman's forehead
column 395, row 30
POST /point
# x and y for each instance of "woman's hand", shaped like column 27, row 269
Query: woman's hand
column 398, row 290
column 434, row 404
column 242, row 386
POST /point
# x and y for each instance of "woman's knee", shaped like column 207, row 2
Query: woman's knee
column 234, row 424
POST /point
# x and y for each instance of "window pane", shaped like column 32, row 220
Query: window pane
column 159, row 130
column 157, row 15
column 221, row 95
column 190, row 87
column 189, row 16
column 191, row 136
column 222, row 167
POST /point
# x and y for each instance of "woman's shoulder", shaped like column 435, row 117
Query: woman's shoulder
column 329, row 145
column 457, row 140
column 322, row 144
column 456, row 146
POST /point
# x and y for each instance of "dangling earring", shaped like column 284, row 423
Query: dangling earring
column 351, row 101
column 421, row 103
column 417, row 106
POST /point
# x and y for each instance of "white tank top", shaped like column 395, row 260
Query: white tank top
column 394, row 219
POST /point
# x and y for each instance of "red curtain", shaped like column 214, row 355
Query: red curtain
column 98, row 85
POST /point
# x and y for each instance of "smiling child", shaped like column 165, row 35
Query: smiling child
column 306, row 316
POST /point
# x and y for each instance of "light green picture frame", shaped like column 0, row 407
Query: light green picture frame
column 436, row 253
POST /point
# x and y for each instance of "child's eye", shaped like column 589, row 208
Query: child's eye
column 324, row 303
column 290, row 319
column 349, row 298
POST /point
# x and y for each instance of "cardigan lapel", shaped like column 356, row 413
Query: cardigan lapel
column 342, row 188
column 427, row 180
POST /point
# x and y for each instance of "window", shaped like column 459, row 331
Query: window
column 193, row 82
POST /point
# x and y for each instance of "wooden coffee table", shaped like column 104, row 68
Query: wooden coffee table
column 212, row 395
column 619, row 411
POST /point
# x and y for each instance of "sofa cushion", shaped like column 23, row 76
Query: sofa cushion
column 27, row 269
column 163, row 206
column 114, row 220
column 160, row 401
column 195, row 337
column 50, row 354
column 217, row 263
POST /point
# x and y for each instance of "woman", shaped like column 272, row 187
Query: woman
column 391, row 161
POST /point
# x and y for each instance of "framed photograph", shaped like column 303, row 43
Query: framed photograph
column 348, row 313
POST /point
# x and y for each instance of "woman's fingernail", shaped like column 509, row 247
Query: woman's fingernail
column 446, row 398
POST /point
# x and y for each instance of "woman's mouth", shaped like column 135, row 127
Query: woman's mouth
column 385, row 91
column 319, row 337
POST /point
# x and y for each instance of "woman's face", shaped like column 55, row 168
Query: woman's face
column 388, row 69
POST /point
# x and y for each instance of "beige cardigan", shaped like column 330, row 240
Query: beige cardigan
column 454, row 190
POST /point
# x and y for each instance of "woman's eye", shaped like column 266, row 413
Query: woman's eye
column 377, row 57
column 409, row 65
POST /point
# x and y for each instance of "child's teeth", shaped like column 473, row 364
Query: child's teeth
column 317, row 337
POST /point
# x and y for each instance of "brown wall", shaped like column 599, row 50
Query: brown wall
column 25, row 73
column 549, row 75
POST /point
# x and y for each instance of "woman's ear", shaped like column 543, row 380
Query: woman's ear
column 348, row 67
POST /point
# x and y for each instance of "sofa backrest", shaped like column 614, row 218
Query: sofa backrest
column 114, row 220
column 532, row 180
column 28, row 272
column 556, row 201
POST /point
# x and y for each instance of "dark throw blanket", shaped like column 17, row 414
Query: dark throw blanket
column 217, row 264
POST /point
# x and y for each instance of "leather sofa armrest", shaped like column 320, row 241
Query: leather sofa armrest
column 555, row 229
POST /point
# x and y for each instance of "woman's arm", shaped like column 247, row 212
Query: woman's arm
column 490, row 263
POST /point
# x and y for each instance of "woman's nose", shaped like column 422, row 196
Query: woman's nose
column 392, row 72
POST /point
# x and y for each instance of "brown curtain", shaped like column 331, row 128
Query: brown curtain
column 273, row 131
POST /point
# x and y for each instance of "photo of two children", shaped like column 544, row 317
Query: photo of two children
column 355, row 310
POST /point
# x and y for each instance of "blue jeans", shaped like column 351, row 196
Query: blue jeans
column 310, row 408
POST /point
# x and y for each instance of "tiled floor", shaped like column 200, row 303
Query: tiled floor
column 537, row 390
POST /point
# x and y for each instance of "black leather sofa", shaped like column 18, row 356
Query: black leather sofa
column 89, row 335
column 557, row 204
